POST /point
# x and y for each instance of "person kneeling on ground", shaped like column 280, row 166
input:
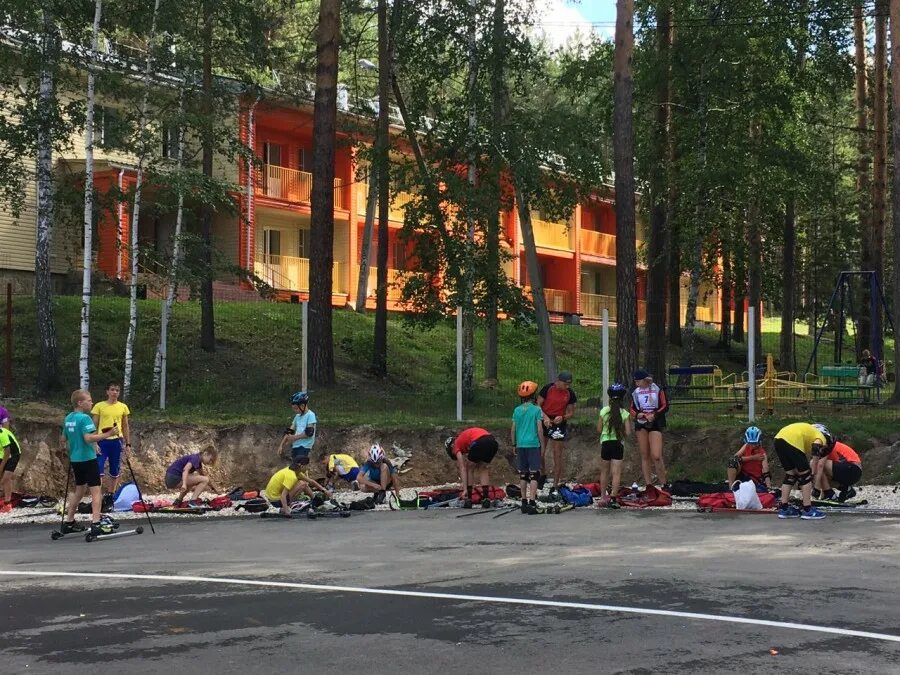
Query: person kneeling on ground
column 794, row 445
column 341, row 466
column 190, row 473
column 750, row 462
column 473, row 449
column 614, row 425
column 286, row 484
column 378, row 474
column 842, row 466
column 527, row 436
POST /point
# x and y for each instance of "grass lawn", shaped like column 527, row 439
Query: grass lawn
column 257, row 365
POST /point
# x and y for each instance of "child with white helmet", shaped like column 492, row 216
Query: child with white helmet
column 750, row 462
column 377, row 474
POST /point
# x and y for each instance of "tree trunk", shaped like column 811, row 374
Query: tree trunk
column 379, row 352
column 895, row 194
column 879, row 187
column 627, row 337
column 492, row 243
column 690, row 313
column 674, row 309
column 84, row 373
column 321, row 339
column 468, row 361
column 789, row 287
column 207, row 311
column 48, row 367
column 726, row 290
column 362, row 284
column 533, row 266
column 136, row 209
column 863, row 159
column 657, row 275
column 740, row 297
column 159, row 365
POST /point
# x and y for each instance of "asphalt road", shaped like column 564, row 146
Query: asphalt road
column 839, row 573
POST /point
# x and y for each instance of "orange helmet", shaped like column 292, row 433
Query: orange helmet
column 527, row 388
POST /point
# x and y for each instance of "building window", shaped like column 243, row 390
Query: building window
column 170, row 142
column 398, row 251
column 305, row 160
column 272, row 242
column 109, row 128
column 272, row 154
column 304, row 244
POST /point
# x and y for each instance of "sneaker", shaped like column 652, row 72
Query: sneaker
column 69, row 528
column 816, row 493
column 486, row 504
column 828, row 496
column 466, row 503
column 530, row 509
column 101, row 528
column 613, row 504
column 380, row 497
column 789, row 511
column 354, row 485
column 194, row 504
column 849, row 493
column 812, row 513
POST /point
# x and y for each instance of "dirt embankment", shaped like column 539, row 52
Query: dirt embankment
column 248, row 454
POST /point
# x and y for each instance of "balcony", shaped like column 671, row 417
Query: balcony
column 592, row 307
column 397, row 211
column 557, row 236
column 393, row 277
column 293, row 186
column 286, row 273
column 598, row 243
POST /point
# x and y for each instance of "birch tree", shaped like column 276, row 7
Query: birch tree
column 134, row 249
column 88, row 255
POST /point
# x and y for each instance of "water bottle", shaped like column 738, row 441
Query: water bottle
column 634, row 489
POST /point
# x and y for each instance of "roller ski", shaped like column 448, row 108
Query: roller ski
column 486, row 507
column 297, row 509
column 106, row 531
column 319, row 508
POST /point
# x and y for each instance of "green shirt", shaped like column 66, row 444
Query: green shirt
column 8, row 440
column 76, row 425
column 609, row 434
column 526, row 418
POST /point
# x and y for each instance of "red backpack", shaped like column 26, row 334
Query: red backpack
column 649, row 496
column 725, row 500
column 493, row 493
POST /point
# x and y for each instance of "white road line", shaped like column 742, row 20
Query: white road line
column 532, row 602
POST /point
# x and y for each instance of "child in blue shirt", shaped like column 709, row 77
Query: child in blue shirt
column 80, row 435
column 527, row 435
column 302, row 432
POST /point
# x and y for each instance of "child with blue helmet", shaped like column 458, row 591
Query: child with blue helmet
column 750, row 462
column 302, row 432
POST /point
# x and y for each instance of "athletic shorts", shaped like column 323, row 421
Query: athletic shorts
column 790, row 457
column 528, row 460
column 658, row 424
column 300, row 455
column 87, row 473
column 351, row 475
column 12, row 463
column 110, row 449
column 561, row 428
column 482, row 451
column 373, row 473
column 173, row 481
column 846, row 474
column 610, row 450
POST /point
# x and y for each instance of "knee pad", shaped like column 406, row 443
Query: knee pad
column 525, row 475
column 804, row 478
column 534, row 476
column 734, row 463
column 790, row 479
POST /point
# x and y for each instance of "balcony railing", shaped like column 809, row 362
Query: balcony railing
column 598, row 243
column 293, row 186
column 394, row 289
column 286, row 273
column 592, row 307
column 706, row 314
column 558, row 236
column 397, row 211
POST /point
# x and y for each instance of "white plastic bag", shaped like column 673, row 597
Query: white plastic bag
column 745, row 496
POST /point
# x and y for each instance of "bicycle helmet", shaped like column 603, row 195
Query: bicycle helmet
column 616, row 390
column 527, row 388
column 300, row 398
column 822, row 429
column 448, row 446
column 753, row 435
column 376, row 454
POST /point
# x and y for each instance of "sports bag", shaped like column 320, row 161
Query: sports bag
column 725, row 500
column 650, row 496
column 255, row 505
column 219, row 503
column 577, row 496
column 594, row 489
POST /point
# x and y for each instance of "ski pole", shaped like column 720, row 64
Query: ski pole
column 140, row 495
column 65, row 506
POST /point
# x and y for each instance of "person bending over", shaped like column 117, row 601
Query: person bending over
column 842, row 466
column 473, row 449
column 190, row 474
column 795, row 444
column 284, row 486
